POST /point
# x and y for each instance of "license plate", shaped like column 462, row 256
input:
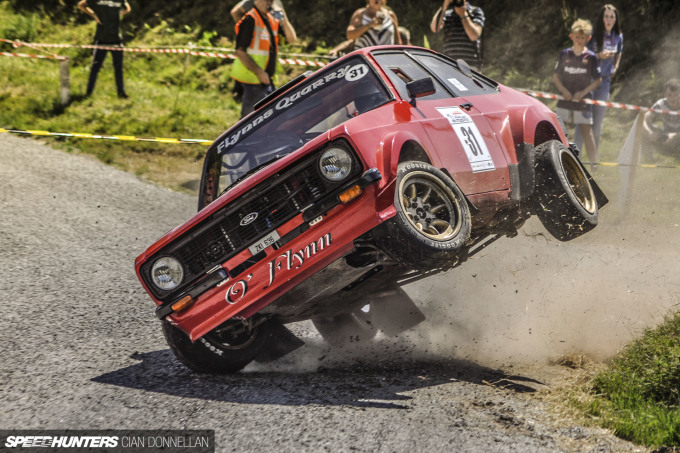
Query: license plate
column 264, row 242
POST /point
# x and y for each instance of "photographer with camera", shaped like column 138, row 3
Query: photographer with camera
column 462, row 24
column 374, row 25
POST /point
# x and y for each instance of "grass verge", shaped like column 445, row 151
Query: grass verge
column 637, row 395
column 171, row 96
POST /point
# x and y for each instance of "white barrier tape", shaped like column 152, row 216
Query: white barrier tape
column 23, row 55
column 181, row 51
column 189, row 47
column 617, row 105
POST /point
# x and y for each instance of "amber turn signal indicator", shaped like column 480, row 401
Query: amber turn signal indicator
column 182, row 304
column 350, row 194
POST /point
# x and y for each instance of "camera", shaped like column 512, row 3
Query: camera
column 458, row 3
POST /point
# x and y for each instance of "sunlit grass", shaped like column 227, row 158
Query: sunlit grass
column 638, row 396
column 171, row 96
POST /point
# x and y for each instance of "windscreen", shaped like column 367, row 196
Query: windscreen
column 320, row 103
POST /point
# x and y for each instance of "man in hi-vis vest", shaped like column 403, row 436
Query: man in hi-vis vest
column 257, row 41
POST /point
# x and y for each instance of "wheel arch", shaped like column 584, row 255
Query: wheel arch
column 398, row 147
column 412, row 150
column 545, row 132
column 528, row 125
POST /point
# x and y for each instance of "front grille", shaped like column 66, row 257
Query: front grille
column 275, row 201
column 226, row 237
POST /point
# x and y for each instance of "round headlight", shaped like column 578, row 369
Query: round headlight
column 167, row 273
column 335, row 164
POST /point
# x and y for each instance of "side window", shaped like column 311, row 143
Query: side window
column 401, row 70
column 455, row 80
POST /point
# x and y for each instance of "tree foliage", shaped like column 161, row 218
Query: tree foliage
column 519, row 37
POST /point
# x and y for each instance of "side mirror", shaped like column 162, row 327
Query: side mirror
column 419, row 88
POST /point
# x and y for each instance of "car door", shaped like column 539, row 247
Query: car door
column 464, row 140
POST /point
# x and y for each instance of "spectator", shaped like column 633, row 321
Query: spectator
column 663, row 129
column 257, row 41
column 107, row 13
column 347, row 46
column 343, row 48
column 242, row 7
column 405, row 36
column 607, row 43
column 576, row 75
column 374, row 25
column 463, row 24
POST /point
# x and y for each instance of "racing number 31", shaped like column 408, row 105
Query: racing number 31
column 471, row 141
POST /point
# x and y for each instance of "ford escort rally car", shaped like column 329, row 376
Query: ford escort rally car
column 387, row 165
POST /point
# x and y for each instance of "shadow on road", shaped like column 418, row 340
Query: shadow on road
column 378, row 384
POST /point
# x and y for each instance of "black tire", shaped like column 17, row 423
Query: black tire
column 564, row 199
column 433, row 219
column 346, row 328
column 218, row 351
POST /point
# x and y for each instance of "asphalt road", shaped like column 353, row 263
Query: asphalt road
column 81, row 348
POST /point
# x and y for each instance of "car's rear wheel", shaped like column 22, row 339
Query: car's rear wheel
column 227, row 349
column 345, row 328
column 564, row 199
column 432, row 222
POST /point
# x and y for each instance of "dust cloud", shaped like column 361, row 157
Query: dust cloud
column 533, row 299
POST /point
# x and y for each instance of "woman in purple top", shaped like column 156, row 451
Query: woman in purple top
column 607, row 43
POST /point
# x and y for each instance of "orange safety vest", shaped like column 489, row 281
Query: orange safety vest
column 259, row 47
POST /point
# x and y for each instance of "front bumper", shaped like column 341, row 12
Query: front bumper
column 238, row 265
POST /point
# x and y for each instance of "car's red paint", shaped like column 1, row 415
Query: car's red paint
column 501, row 117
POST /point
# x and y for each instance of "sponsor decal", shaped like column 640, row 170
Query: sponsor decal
column 294, row 260
column 237, row 291
column 470, row 137
column 456, row 83
column 349, row 73
column 250, row 218
column 283, row 263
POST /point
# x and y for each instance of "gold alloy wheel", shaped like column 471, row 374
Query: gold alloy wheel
column 430, row 206
column 578, row 181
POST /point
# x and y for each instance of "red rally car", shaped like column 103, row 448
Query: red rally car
column 386, row 166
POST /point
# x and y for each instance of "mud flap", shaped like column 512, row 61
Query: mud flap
column 394, row 311
column 281, row 341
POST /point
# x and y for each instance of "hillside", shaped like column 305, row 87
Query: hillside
column 182, row 97
column 520, row 41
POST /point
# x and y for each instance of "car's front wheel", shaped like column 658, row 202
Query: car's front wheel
column 227, row 349
column 564, row 199
column 432, row 222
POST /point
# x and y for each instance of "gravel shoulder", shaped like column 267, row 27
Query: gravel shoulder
column 81, row 348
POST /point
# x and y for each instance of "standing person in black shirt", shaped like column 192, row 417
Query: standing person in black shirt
column 107, row 13
column 463, row 24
